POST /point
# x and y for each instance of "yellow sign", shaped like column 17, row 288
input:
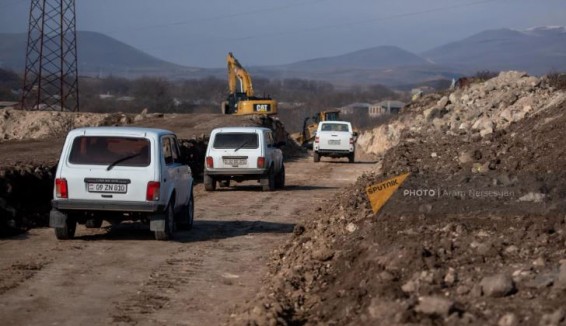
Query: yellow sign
column 380, row 193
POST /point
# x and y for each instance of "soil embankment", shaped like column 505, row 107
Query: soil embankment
column 476, row 235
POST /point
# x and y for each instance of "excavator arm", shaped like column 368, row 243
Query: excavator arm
column 238, row 75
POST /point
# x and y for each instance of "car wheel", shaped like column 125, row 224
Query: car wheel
column 209, row 183
column 316, row 157
column 351, row 157
column 188, row 214
column 280, row 178
column 68, row 231
column 167, row 234
column 268, row 183
column 93, row 223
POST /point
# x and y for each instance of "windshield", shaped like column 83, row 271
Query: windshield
column 334, row 127
column 115, row 151
column 233, row 140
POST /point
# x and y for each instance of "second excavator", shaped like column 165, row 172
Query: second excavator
column 310, row 125
column 241, row 99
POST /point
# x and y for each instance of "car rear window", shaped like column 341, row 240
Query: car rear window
column 334, row 127
column 101, row 150
column 233, row 140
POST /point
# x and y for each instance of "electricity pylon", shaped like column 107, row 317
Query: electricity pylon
column 51, row 80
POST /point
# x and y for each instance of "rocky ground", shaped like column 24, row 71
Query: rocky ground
column 476, row 235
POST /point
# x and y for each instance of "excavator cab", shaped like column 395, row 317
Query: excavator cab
column 329, row 116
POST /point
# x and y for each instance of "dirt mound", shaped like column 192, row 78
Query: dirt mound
column 476, row 235
column 20, row 125
column 25, row 197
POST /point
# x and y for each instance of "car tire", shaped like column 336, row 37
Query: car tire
column 280, row 178
column 167, row 234
column 188, row 214
column 93, row 223
column 68, row 231
column 316, row 157
column 268, row 183
column 351, row 157
column 209, row 183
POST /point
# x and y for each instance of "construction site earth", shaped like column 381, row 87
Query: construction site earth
column 475, row 235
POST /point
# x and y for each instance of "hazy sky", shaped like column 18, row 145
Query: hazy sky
column 265, row 32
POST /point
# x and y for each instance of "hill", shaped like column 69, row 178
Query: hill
column 386, row 65
column 536, row 50
column 380, row 57
column 98, row 54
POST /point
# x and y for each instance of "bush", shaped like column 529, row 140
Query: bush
column 485, row 75
column 9, row 81
column 557, row 80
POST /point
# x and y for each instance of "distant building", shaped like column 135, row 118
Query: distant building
column 385, row 107
column 105, row 96
column 355, row 108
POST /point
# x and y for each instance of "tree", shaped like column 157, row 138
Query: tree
column 153, row 93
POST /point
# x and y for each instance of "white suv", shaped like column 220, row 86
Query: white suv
column 243, row 153
column 335, row 139
column 121, row 173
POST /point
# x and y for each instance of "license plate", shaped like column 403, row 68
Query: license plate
column 235, row 161
column 334, row 142
column 108, row 187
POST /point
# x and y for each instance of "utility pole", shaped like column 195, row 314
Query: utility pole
column 51, row 80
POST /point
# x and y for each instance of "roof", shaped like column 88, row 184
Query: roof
column 240, row 129
column 393, row 104
column 120, row 131
column 339, row 122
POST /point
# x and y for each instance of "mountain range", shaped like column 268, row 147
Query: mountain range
column 536, row 51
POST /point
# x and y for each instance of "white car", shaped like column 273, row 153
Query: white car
column 335, row 139
column 243, row 153
column 121, row 173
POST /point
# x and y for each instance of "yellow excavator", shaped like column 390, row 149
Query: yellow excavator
column 310, row 125
column 241, row 100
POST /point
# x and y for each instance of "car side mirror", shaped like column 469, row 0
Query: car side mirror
column 355, row 134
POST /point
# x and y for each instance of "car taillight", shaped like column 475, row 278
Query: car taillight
column 351, row 141
column 261, row 162
column 209, row 162
column 152, row 193
column 61, row 189
column 316, row 139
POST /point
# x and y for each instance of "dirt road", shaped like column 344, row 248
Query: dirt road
column 121, row 275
